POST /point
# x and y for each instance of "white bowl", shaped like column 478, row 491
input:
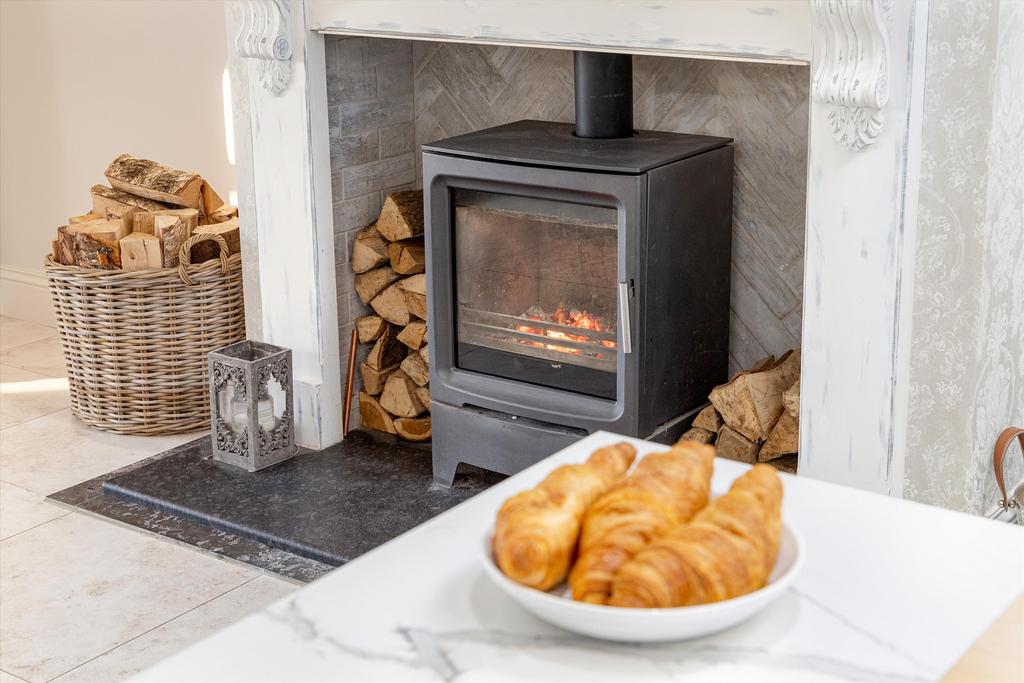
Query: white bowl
column 637, row 625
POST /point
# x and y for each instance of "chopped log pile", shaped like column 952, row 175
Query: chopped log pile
column 755, row 416
column 143, row 218
column 389, row 260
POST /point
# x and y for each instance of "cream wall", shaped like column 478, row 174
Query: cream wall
column 82, row 81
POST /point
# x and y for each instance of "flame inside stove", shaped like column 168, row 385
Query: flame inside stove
column 571, row 317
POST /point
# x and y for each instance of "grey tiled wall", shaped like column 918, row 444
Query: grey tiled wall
column 388, row 97
column 372, row 132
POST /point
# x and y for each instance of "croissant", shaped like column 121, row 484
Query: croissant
column 728, row 550
column 663, row 491
column 536, row 531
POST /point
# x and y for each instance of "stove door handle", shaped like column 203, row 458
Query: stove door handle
column 627, row 341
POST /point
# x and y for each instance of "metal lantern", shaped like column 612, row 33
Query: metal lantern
column 251, row 405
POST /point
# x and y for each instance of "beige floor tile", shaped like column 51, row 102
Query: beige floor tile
column 43, row 356
column 53, row 452
column 14, row 332
column 77, row 587
column 21, row 510
column 27, row 395
column 9, row 678
column 174, row 636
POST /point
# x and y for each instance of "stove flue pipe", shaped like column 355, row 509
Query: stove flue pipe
column 604, row 94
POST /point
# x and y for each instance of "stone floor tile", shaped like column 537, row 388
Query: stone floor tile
column 76, row 587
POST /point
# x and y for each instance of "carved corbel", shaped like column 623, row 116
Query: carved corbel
column 264, row 36
column 850, row 58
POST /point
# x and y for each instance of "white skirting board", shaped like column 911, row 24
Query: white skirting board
column 25, row 295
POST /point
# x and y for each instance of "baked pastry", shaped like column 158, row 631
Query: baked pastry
column 536, row 531
column 664, row 491
column 728, row 550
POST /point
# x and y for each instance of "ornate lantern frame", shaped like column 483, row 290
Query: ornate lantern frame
column 239, row 437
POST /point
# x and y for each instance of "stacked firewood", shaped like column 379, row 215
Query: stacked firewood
column 755, row 416
column 390, row 265
column 142, row 219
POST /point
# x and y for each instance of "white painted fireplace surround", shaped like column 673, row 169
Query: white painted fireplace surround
column 864, row 140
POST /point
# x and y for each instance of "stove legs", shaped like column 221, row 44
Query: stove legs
column 491, row 440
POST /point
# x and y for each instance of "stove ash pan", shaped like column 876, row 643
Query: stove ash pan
column 574, row 285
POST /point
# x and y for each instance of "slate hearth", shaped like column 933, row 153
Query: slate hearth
column 299, row 518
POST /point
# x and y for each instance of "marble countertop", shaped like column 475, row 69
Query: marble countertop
column 891, row 590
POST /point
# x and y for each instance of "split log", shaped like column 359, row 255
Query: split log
column 87, row 218
column 708, row 419
column 390, row 305
column 408, row 257
column 369, row 250
column 211, row 203
column 423, row 394
column 140, row 251
column 173, row 231
column 791, row 399
column 751, row 402
column 413, row 428
column 155, row 181
column 65, row 250
column 386, row 351
column 425, row 355
column 145, row 221
column 369, row 328
column 399, row 396
column 112, row 203
column 373, row 416
column 784, row 439
column 786, row 463
column 698, row 434
column 415, row 290
column 222, row 214
column 414, row 335
column 401, row 216
column 374, row 379
column 733, row 445
column 97, row 243
column 417, row 370
column 204, row 251
column 373, row 282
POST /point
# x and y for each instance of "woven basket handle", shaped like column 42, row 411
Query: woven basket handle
column 185, row 254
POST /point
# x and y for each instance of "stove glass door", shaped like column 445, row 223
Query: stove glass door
column 535, row 284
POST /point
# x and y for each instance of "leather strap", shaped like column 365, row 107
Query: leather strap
column 1002, row 446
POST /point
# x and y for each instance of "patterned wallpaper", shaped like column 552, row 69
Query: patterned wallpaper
column 967, row 365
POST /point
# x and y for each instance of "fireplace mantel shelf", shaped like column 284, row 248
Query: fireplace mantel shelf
column 420, row 607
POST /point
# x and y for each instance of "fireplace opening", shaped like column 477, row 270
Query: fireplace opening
column 390, row 100
column 535, row 291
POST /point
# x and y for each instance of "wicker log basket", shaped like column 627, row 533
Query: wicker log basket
column 135, row 343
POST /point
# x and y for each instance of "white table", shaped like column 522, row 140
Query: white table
column 891, row 590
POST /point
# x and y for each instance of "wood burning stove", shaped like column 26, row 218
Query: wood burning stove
column 575, row 284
